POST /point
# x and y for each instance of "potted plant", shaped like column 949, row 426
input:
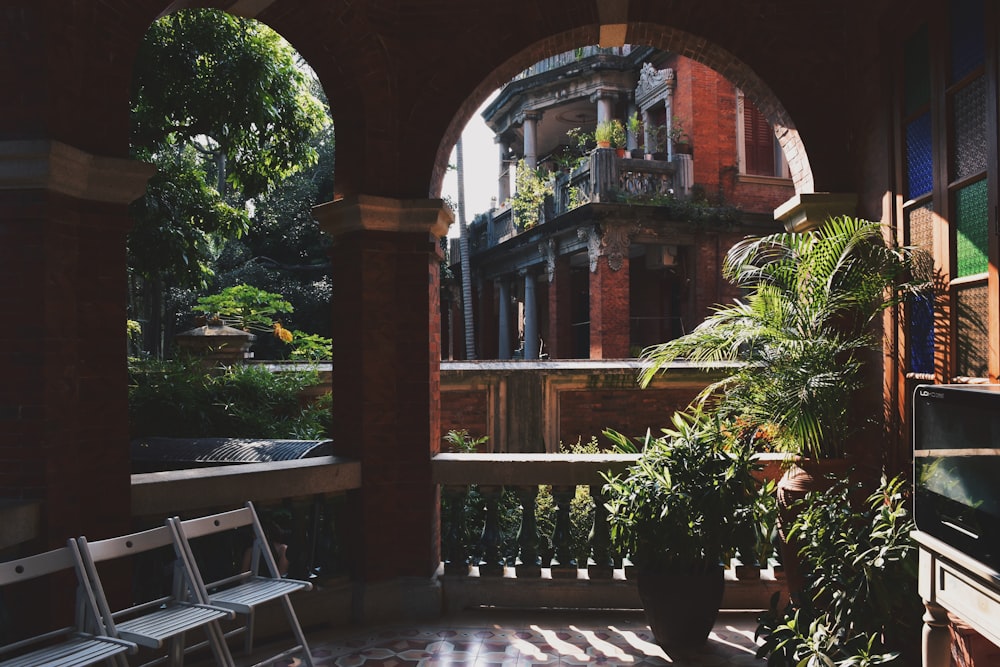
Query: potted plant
column 636, row 129
column 610, row 134
column 679, row 513
column 679, row 138
column 800, row 340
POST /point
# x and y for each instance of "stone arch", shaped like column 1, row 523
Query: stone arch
column 659, row 36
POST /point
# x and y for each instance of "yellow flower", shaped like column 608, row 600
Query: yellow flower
column 282, row 333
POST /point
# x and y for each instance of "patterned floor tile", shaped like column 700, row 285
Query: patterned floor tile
column 526, row 639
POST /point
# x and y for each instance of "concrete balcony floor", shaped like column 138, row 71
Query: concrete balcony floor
column 488, row 638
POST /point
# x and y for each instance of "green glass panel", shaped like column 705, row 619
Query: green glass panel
column 916, row 71
column 971, row 229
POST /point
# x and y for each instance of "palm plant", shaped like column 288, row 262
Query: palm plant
column 800, row 336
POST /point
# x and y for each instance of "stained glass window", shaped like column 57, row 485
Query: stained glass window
column 968, row 156
column 918, row 156
column 971, row 235
column 973, row 340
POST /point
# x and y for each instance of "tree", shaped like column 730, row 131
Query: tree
column 224, row 108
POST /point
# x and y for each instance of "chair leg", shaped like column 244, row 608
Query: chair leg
column 293, row 620
column 217, row 640
column 248, row 633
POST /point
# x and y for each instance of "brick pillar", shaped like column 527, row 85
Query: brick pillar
column 488, row 323
column 609, row 294
column 64, row 397
column 560, row 298
column 387, row 350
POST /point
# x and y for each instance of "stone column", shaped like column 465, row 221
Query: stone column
column 503, row 180
column 488, row 326
column 605, row 106
column 386, row 340
column 648, row 132
column 530, row 317
column 560, row 334
column 504, row 351
column 609, row 293
column 531, row 119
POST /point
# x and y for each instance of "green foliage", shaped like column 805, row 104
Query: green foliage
column 532, row 187
column 685, row 504
column 460, row 442
column 245, row 307
column 570, row 157
column 225, row 110
column 310, row 347
column 231, row 86
column 180, row 398
column 861, row 604
column 800, row 336
column 611, row 132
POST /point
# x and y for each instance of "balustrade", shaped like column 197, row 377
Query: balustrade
column 482, row 491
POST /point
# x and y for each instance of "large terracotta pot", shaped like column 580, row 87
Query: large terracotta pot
column 681, row 607
column 803, row 476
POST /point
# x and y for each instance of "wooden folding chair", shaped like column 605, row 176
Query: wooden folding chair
column 163, row 620
column 84, row 643
column 244, row 591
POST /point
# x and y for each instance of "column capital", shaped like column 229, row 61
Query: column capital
column 808, row 210
column 383, row 214
column 58, row 167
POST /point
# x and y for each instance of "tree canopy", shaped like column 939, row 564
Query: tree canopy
column 228, row 112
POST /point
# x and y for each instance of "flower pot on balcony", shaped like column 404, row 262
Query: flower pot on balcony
column 803, row 476
column 681, row 607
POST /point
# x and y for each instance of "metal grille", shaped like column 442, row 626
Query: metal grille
column 917, row 78
column 969, row 120
column 973, row 339
column 968, row 43
column 918, row 156
column 972, row 221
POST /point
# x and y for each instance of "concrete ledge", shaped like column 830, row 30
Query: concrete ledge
column 177, row 491
column 619, row 593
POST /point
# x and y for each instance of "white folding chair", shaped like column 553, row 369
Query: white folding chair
column 165, row 619
column 244, row 591
column 84, row 643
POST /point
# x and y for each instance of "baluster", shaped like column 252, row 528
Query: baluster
column 454, row 540
column 491, row 564
column 529, row 562
column 601, row 565
column 563, row 564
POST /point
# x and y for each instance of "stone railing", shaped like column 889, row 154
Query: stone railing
column 605, row 177
column 484, row 563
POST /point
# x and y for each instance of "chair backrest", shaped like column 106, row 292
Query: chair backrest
column 128, row 545
column 88, row 615
column 246, row 516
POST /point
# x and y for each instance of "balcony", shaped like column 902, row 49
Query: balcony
column 605, row 177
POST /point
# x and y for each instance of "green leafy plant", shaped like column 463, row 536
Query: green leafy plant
column 610, row 132
column 683, row 506
column 861, row 605
column 800, row 336
column 180, row 398
column 532, row 187
column 460, row 442
column 244, row 307
column 310, row 347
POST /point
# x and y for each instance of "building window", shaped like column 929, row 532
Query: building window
column 758, row 148
column 948, row 182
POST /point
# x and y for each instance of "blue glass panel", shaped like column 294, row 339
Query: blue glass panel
column 921, row 334
column 968, row 40
column 918, row 156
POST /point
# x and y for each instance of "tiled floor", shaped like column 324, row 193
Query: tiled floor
column 521, row 639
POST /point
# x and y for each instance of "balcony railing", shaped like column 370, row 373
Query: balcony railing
column 485, row 562
column 605, row 177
